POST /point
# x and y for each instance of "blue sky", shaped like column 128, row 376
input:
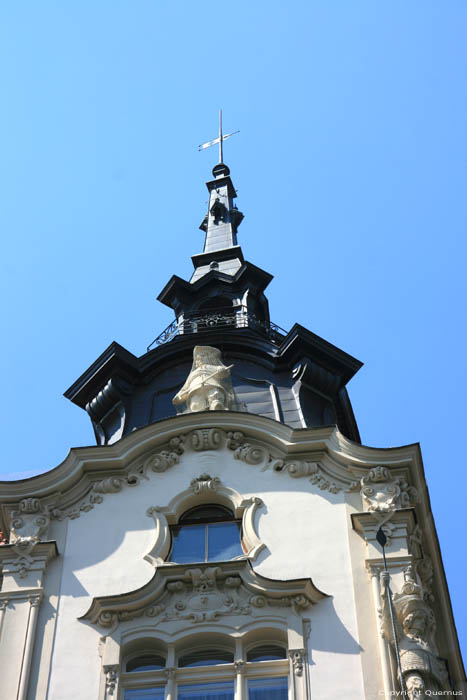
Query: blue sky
column 350, row 169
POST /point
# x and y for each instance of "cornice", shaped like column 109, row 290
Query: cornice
column 107, row 460
column 207, row 580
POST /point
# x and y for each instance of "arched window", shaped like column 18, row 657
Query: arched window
column 206, row 657
column 266, row 652
column 206, row 533
column 213, row 673
column 146, row 662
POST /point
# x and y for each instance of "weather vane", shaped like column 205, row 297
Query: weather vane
column 220, row 139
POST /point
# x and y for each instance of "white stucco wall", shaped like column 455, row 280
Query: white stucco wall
column 306, row 533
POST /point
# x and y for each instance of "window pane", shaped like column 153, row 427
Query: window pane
column 268, row 689
column 207, row 691
column 144, row 694
column 189, row 544
column 224, row 541
column 206, row 514
column 206, row 657
column 266, row 652
column 145, row 663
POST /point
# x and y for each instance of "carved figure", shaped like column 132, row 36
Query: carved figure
column 424, row 672
column 208, row 386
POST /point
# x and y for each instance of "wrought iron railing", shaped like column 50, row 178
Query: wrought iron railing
column 219, row 319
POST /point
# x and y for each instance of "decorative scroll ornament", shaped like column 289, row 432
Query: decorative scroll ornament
column 206, row 439
column 297, row 656
column 155, row 462
column 205, row 594
column 384, row 493
column 111, row 678
column 28, row 524
column 423, row 670
column 205, row 484
column 318, row 477
column 208, row 386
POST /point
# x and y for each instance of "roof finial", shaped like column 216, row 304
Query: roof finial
column 220, row 140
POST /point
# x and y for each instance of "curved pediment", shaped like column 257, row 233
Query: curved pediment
column 202, row 593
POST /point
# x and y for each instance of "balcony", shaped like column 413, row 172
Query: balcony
column 221, row 319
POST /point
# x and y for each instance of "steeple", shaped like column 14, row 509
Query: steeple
column 222, row 280
column 221, row 251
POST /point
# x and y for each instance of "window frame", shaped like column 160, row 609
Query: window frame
column 184, row 522
column 239, row 671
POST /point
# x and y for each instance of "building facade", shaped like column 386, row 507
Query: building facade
column 223, row 539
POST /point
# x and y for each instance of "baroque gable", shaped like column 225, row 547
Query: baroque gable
column 323, row 460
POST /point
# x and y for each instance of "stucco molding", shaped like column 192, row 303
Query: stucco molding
column 384, row 493
column 206, row 593
column 204, row 489
column 277, row 439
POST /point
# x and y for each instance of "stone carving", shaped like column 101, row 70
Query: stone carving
column 205, row 595
column 297, row 656
column 157, row 462
column 249, row 454
column 111, row 677
column 425, row 572
column 385, row 493
column 424, row 672
column 243, row 450
column 28, row 524
column 208, row 386
column 206, row 439
column 205, row 484
column 161, row 461
column 299, row 468
column 235, row 439
column 112, row 484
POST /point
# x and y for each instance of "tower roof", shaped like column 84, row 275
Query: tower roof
column 292, row 377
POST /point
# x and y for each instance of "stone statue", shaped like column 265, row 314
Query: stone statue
column 208, row 386
column 424, row 672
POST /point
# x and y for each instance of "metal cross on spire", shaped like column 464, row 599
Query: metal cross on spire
column 220, row 140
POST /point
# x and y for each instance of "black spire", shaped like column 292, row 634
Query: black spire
column 222, row 283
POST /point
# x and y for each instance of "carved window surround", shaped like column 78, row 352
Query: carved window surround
column 188, row 606
column 204, row 490
column 292, row 637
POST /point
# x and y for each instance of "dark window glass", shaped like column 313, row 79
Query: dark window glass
column 189, row 544
column 206, row 514
column 145, row 694
column 266, row 652
column 268, row 689
column 223, row 541
column 148, row 662
column 206, row 657
column 207, row 533
column 206, row 691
